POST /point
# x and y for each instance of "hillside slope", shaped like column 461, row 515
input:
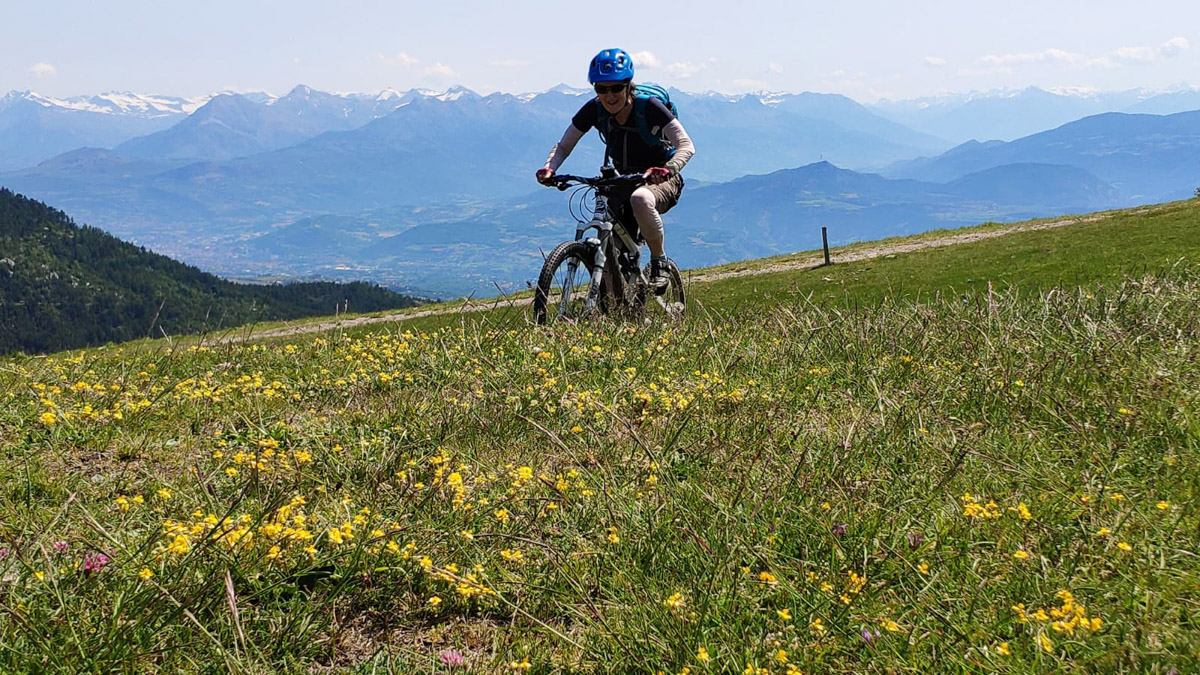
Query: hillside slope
column 999, row 481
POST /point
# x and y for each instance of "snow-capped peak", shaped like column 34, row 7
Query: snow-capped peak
column 117, row 103
column 454, row 93
column 300, row 91
column 568, row 90
column 769, row 97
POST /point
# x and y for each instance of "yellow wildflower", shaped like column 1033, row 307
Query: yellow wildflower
column 675, row 602
column 180, row 545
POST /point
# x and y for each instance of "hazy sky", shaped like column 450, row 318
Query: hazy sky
column 865, row 50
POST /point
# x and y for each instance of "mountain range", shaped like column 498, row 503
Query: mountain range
column 1146, row 158
column 241, row 164
column 390, row 186
column 1011, row 114
column 34, row 127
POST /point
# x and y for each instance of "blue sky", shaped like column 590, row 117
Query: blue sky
column 865, row 50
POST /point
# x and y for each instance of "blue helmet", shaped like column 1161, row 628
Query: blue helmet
column 611, row 65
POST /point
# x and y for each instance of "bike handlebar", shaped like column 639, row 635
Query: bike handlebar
column 566, row 180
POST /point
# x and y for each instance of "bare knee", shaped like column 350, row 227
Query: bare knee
column 642, row 200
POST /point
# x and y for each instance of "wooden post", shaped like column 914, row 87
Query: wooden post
column 825, row 243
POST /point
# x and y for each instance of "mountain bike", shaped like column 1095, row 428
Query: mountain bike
column 601, row 274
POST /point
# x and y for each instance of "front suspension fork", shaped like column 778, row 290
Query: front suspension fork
column 597, row 285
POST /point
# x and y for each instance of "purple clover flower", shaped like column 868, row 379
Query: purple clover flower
column 60, row 547
column 839, row 529
column 915, row 539
column 452, row 658
column 95, row 563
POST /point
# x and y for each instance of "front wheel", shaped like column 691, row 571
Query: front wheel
column 562, row 287
column 667, row 303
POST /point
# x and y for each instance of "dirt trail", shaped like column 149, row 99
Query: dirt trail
column 807, row 262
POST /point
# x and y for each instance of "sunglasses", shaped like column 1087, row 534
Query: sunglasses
column 614, row 89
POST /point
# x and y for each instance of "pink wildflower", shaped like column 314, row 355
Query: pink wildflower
column 452, row 658
column 95, row 563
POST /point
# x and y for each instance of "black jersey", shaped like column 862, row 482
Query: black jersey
column 629, row 152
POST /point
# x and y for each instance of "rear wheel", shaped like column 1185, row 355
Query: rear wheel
column 667, row 303
column 562, row 287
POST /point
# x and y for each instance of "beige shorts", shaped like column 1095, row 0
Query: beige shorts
column 666, row 194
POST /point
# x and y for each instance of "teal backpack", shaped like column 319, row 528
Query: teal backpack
column 642, row 93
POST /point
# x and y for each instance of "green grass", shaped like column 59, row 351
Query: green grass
column 1120, row 244
column 892, row 469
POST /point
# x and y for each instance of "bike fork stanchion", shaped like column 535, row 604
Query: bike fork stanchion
column 595, row 289
column 568, row 288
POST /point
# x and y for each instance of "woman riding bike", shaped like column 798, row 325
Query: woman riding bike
column 612, row 113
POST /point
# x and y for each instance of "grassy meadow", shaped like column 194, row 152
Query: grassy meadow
column 872, row 467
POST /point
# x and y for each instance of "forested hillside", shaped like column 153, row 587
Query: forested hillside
column 64, row 286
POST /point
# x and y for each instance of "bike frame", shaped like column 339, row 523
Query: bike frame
column 608, row 245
